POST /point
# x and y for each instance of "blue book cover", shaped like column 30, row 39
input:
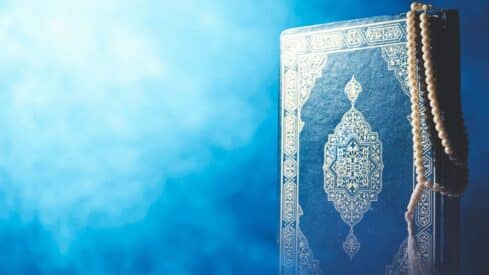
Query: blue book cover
column 346, row 156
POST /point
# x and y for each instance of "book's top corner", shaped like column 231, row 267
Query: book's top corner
column 341, row 24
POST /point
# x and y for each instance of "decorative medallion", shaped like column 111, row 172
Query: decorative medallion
column 352, row 167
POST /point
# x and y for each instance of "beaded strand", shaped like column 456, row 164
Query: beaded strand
column 421, row 180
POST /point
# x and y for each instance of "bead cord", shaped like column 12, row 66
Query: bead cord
column 421, row 180
column 414, row 263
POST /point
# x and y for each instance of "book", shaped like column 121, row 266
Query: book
column 346, row 157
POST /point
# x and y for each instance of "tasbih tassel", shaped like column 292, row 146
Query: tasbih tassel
column 415, row 263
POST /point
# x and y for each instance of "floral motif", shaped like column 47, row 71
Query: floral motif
column 353, row 89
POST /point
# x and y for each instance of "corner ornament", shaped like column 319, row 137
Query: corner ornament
column 352, row 167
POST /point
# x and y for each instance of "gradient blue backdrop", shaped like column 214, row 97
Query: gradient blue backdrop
column 141, row 137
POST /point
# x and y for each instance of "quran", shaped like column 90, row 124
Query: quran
column 346, row 148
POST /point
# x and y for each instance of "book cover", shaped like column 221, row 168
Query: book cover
column 346, row 157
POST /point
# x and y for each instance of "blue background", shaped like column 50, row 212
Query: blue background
column 141, row 138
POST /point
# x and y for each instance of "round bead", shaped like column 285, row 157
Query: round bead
column 436, row 187
column 430, row 80
column 449, row 151
column 433, row 104
column 443, row 135
column 445, row 143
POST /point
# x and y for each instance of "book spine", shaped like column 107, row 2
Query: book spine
column 446, row 55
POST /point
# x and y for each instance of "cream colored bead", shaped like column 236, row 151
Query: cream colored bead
column 435, row 107
column 438, row 126
column 434, row 103
column 426, row 41
column 445, row 143
column 443, row 135
column 449, row 151
column 436, row 187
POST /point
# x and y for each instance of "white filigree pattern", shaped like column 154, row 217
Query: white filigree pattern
column 313, row 64
column 423, row 210
column 287, row 243
column 384, row 33
column 351, row 245
column 310, row 69
column 352, row 167
column 396, row 58
column 354, row 38
column 288, row 209
column 307, row 263
column 330, row 41
column 290, row 133
column 289, row 85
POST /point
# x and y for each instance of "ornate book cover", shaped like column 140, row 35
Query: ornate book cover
column 346, row 156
